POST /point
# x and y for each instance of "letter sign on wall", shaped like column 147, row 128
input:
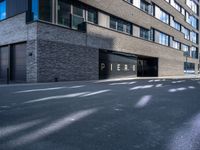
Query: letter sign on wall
column 112, row 65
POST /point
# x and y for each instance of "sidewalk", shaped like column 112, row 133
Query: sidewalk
column 3, row 84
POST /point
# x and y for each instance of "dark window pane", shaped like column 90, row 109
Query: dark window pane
column 2, row 10
column 64, row 12
column 78, row 10
column 144, row 33
column 77, row 22
column 35, row 10
column 113, row 23
column 92, row 16
column 45, row 10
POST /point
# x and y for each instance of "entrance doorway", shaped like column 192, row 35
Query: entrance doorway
column 147, row 67
column 13, row 62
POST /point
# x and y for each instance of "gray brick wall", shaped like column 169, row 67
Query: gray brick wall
column 66, row 62
column 13, row 30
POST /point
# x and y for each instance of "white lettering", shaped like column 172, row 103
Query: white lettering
column 118, row 67
column 102, row 66
column 133, row 67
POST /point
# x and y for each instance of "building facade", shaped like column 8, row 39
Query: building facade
column 61, row 40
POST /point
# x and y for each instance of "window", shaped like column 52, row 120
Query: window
column 185, row 50
column 120, row 25
column 189, row 67
column 35, row 10
column 2, row 9
column 175, row 44
column 193, row 37
column 186, row 32
column 45, row 10
column 161, row 38
column 183, row 11
column 78, row 17
column 191, row 20
column 175, row 5
column 194, row 52
column 129, row 1
column 144, row 6
column 64, row 10
column 144, row 33
column 192, row 5
column 161, row 15
column 176, row 25
column 92, row 15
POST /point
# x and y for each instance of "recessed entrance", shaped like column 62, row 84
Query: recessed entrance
column 147, row 67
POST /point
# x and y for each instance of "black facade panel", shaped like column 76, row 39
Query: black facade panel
column 4, row 61
column 18, row 62
column 116, row 65
column 14, row 7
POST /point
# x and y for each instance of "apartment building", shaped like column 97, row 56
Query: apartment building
column 61, row 40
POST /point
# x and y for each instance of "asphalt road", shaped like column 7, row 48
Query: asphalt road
column 122, row 115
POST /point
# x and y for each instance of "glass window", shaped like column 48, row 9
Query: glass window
column 186, row 32
column 130, row 1
column 161, row 15
column 192, row 5
column 183, row 11
column 191, row 20
column 193, row 37
column 189, row 67
column 175, row 5
column 78, row 17
column 176, row 25
column 64, row 10
column 92, row 16
column 144, row 6
column 175, row 44
column 161, row 38
column 78, row 10
column 194, row 52
column 35, row 15
column 2, row 10
column 45, row 10
column 120, row 25
column 185, row 49
column 144, row 33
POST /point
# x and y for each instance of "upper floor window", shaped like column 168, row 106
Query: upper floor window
column 193, row 37
column 161, row 38
column 175, row 44
column 144, row 33
column 191, row 20
column 2, row 9
column 144, row 6
column 129, row 1
column 176, row 25
column 186, row 32
column 175, row 5
column 45, row 10
column 64, row 10
column 161, row 15
column 120, row 25
column 185, row 49
column 92, row 15
column 193, row 6
column 194, row 52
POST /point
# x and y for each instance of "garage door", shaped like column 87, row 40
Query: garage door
column 4, row 62
column 18, row 62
